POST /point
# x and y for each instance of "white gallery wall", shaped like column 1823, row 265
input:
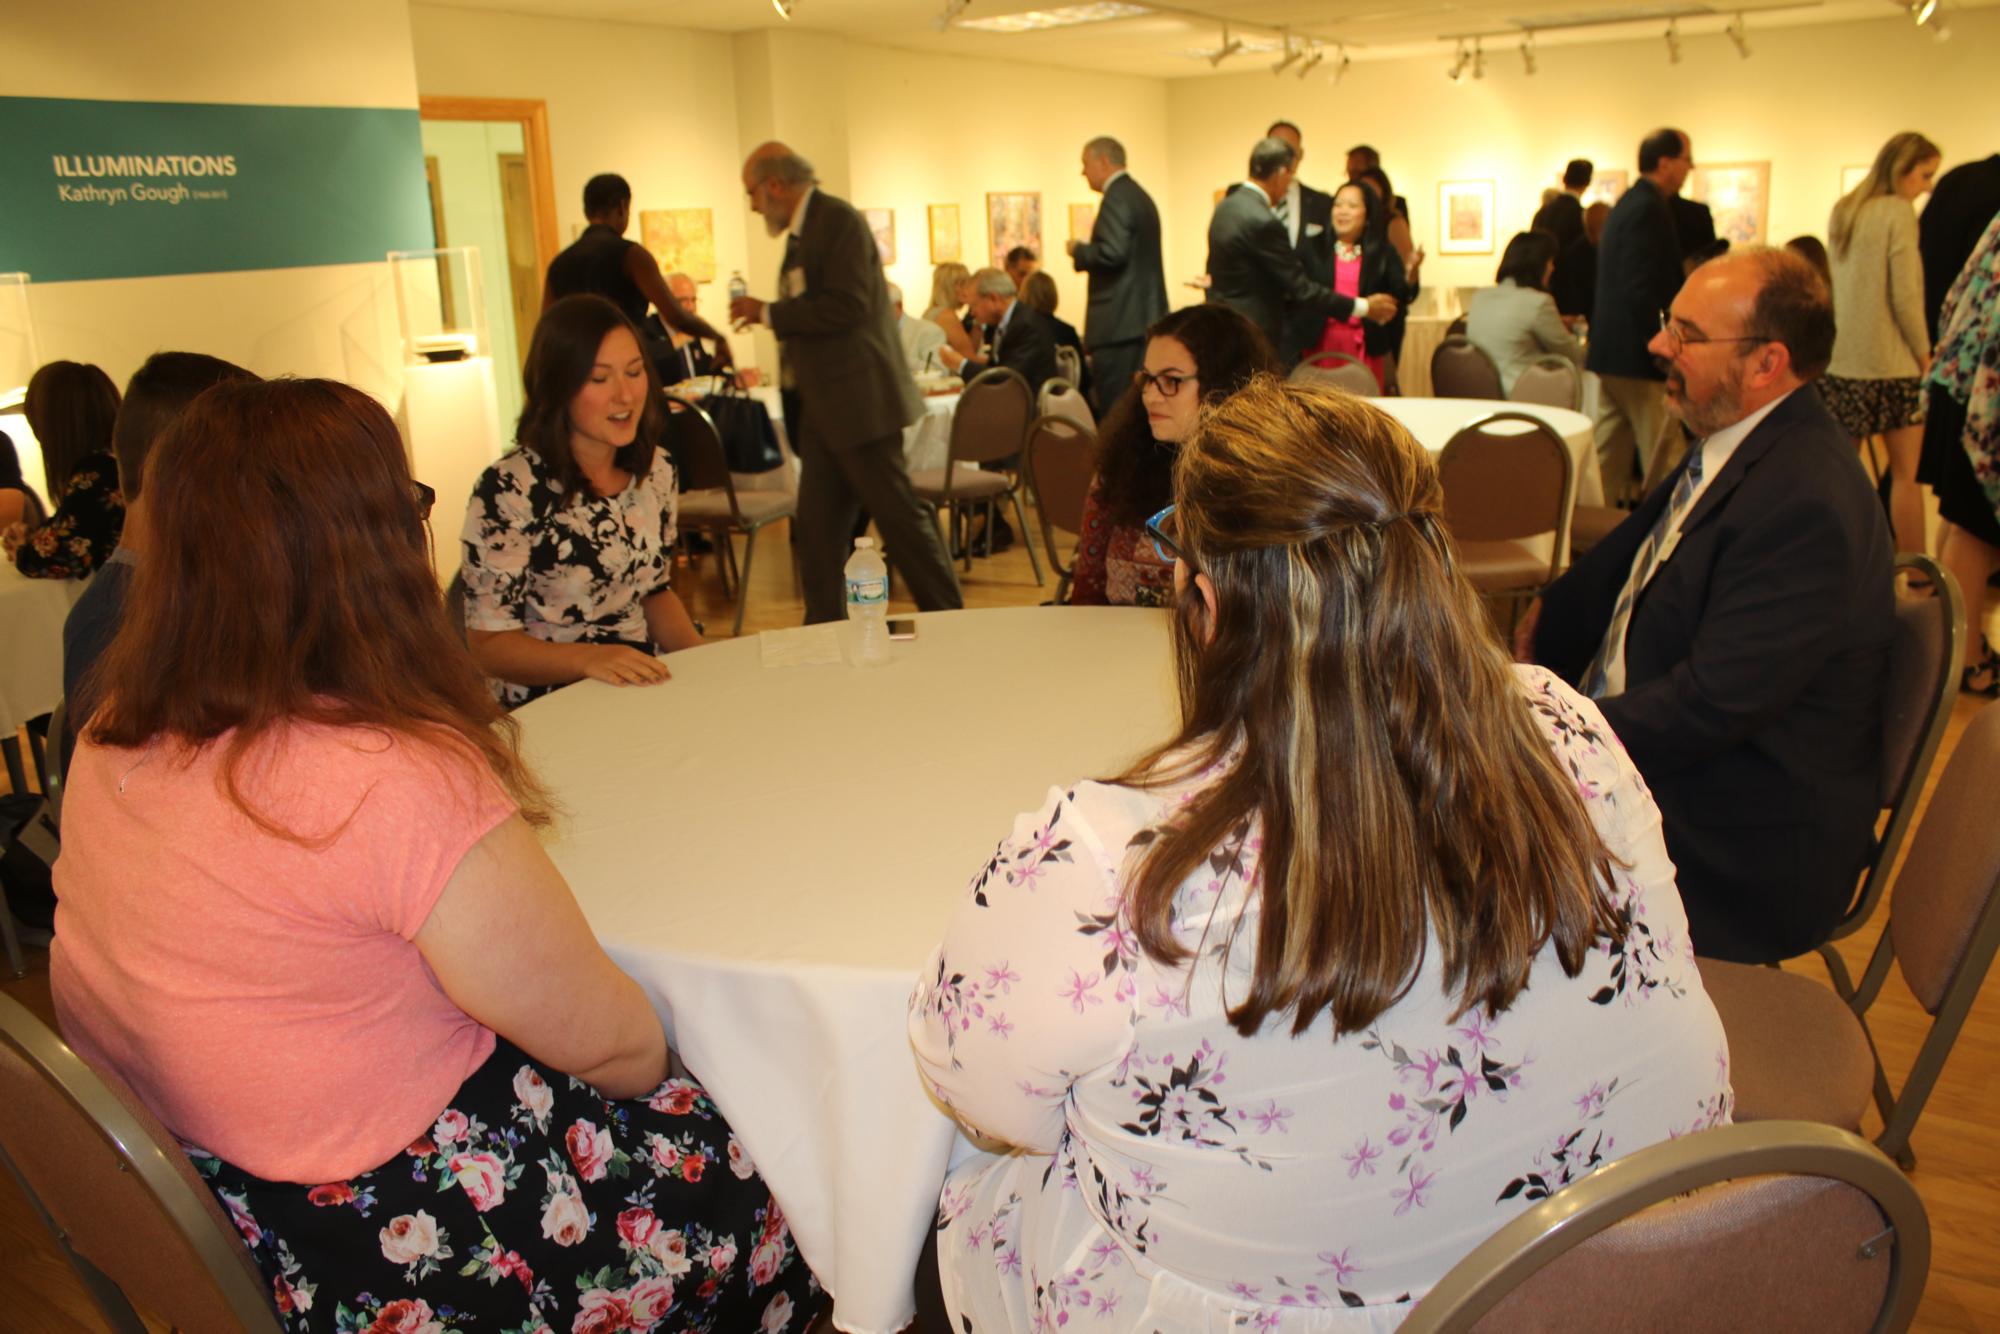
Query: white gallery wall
column 332, row 320
column 1808, row 100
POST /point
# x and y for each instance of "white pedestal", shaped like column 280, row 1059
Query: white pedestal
column 452, row 417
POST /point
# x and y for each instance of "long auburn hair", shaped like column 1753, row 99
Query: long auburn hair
column 1896, row 159
column 560, row 358
column 1135, row 471
column 1362, row 712
column 286, row 580
column 71, row 407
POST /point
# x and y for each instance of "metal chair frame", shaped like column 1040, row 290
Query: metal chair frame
column 1044, row 433
column 1476, row 430
column 1569, row 370
column 984, row 382
column 1456, row 346
column 1623, row 1188
column 1339, row 369
column 708, row 470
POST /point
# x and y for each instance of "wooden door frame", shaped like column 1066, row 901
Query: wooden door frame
column 532, row 115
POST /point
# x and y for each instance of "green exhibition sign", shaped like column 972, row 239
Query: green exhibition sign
column 140, row 189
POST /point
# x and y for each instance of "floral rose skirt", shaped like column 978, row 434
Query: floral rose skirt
column 533, row 1204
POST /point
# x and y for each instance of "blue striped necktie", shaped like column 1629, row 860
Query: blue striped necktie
column 1613, row 649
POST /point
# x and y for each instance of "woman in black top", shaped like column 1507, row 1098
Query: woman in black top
column 71, row 408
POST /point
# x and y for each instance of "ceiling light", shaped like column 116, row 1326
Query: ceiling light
column 1478, row 60
column 1921, row 10
column 1035, row 20
column 1291, row 54
column 1939, row 31
column 785, row 8
column 1313, row 59
column 1230, row 46
column 952, row 9
column 1673, row 41
column 1457, row 71
column 1738, row 35
column 1528, row 52
column 1340, row 66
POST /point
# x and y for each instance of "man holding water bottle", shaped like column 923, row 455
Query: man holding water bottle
column 848, row 394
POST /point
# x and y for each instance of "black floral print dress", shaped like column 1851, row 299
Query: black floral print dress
column 570, row 573
column 83, row 532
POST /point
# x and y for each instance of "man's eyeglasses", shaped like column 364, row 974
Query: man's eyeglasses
column 1163, row 543
column 424, row 498
column 1679, row 336
column 1167, row 382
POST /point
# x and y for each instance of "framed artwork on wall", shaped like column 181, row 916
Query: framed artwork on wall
column 682, row 239
column 944, row 234
column 1013, row 218
column 1082, row 219
column 1738, row 194
column 1465, row 217
column 1605, row 187
column 882, row 222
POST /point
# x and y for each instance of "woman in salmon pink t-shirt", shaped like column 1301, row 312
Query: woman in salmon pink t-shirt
column 304, row 914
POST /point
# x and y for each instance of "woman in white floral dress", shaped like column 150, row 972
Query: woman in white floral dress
column 1381, row 947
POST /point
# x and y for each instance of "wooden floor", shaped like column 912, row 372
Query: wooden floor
column 1957, row 1143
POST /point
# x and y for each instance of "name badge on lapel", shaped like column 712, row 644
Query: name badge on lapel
column 795, row 282
column 1314, row 229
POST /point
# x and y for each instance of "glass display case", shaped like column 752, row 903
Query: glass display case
column 440, row 303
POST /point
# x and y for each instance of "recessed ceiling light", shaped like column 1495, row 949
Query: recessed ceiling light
column 1034, row 20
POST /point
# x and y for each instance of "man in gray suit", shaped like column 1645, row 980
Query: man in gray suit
column 1128, row 284
column 1252, row 266
column 848, row 394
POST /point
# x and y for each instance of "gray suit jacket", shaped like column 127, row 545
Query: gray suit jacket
column 1128, row 284
column 1253, row 268
column 838, row 336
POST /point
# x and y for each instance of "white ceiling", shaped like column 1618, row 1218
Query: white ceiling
column 1163, row 43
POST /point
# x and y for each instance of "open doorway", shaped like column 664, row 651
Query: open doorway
column 487, row 163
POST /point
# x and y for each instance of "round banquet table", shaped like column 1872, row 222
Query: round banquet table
column 773, row 853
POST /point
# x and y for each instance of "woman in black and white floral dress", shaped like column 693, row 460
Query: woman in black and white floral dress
column 568, row 540
column 1382, row 947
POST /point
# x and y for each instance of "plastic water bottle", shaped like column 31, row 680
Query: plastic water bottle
column 868, row 603
column 737, row 287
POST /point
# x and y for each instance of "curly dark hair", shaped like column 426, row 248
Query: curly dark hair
column 1135, row 471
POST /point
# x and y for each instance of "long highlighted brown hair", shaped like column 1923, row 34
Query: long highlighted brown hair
column 286, row 580
column 1365, row 716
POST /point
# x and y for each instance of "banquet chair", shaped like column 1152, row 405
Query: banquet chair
column 1797, row 1052
column 1777, row 1225
column 1507, row 477
column 1060, row 460
column 1552, row 381
column 1069, row 365
column 989, row 426
column 121, row 1200
column 1591, row 524
column 1461, row 370
column 1061, row 398
column 1338, row 370
column 1917, row 700
column 710, row 501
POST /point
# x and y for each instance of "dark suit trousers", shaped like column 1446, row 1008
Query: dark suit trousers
column 835, row 486
column 1112, row 366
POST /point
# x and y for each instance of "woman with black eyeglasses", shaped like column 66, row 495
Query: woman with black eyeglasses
column 1194, row 357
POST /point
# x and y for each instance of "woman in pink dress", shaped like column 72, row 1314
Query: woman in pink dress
column 1364, row 263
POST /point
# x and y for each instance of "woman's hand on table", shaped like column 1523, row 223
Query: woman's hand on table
column 619, row 665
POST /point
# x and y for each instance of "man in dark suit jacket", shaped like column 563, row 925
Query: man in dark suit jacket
column 848, row 393
column 1638, row 272
column 1128, row 284
column 1252, row 266
column 1307, row 216
column 1562, row 218
column 1736, row 628
column 1024, row 340
column 1962, row 206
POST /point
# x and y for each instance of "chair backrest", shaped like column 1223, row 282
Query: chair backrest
column 1917, row 700
column 1507, row 476
column 1460, row 370
column 1340, row 371
column 1060, row 398
column 1456, row 329
column 696, row 446
column 1551, row 381
column 52, row 781
column 991, row 421
column 1069, row 364
column 116, row 1191
column 1791, row 1225
column 1060, row 461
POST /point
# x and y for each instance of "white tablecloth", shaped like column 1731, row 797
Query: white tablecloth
column 773, row 854
column 927, row 444
column 1421, row 336
column 32, row 612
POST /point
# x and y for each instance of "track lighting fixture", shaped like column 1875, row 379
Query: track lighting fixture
column 952, row 9
column 1739, row 35
column 1673, row 41
column 1312, row 59
column 1478, row 60
column 1340, row 65
column 1285, row 61
column 1921, row 10
column 785, row 8
column 1230, row 46
column 1457, row 71
column 1528, row 53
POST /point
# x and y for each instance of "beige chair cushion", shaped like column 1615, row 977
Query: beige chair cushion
column 1591, row 524
column 970, row 484
column 1497, row 566
column 703, row 507
column 1796, row 1052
